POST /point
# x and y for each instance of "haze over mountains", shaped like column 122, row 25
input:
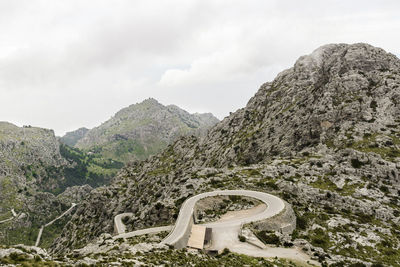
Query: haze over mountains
column 324, row 135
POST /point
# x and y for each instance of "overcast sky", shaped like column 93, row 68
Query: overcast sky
column 68, row 64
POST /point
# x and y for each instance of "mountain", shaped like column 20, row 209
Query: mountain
column 30, row 153
column 143, row 129
column 324, row 135
column 71, row 138
column 34, row 169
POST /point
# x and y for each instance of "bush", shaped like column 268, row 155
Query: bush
column 268, row 238
column 373, row 105
column 225, row 251
column 125, row 219
column 319, row 238
column 242, row 238
column 384, row 189
column 302, row 222
column 356, row 163
column 288, row 244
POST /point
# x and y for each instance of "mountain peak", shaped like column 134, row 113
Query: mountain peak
column 151, row 101
column 143, row 129
column 341, row 58
column 337, row 91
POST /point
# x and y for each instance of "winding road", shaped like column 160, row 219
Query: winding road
column 225, row 231
column 119, row 226
column 182, row 226
column 181, row 230
column 51, row 222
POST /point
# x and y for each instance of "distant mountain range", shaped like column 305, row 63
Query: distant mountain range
column 140, row 130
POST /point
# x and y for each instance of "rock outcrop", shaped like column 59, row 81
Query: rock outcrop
column 34, row 168
column 71, row 138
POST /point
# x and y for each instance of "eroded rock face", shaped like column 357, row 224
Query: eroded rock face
column 324, row 135
column 32, row 171
column 71, row 138
column 337, row 90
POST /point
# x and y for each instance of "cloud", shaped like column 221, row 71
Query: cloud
column 66, row 64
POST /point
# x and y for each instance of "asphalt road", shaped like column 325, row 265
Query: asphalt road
column 225, row 232
column 14, row 215
column 144, row 231
column 120, row 227
column 274, row 206
column 50, row 223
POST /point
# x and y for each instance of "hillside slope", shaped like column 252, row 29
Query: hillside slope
column 34, row 168
column 143, row 129
column 324, row 135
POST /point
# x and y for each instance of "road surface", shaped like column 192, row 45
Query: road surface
column 119, row 226
column 50, row 223
column 274, row 206
column 144, row 231
column 225, row 230
column 14, row 215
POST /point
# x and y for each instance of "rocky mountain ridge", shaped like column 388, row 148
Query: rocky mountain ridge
column 34, row 168
column 324, row 135
column 143, row 129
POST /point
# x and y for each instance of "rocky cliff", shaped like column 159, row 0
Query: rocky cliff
column 71, row 138
column 29, row 153
column 143, row 129
column 324, row 135
column 34, row 168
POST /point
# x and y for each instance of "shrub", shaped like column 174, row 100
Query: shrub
column 357, row 264
column 373, row 105
column 268, row 238
column 302, row 222
column 384, row 189
column 356, row 163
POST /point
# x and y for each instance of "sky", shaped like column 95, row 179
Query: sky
column 75, row 63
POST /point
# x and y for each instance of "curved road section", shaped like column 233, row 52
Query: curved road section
column 119, row 226
column 182, row 226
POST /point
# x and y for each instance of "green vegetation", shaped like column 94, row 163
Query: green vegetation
column 221, row 205
column 52, row 232
column 319, row 238
column 268, row 237
column 87, row 168
column 26, row 235
column 8, row 194
column 356, row 164
column 325, row 184
column 226, row 258
column 24, row 260
column 369, row 144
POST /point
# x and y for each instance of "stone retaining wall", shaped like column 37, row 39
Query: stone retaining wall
column 284, row 222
